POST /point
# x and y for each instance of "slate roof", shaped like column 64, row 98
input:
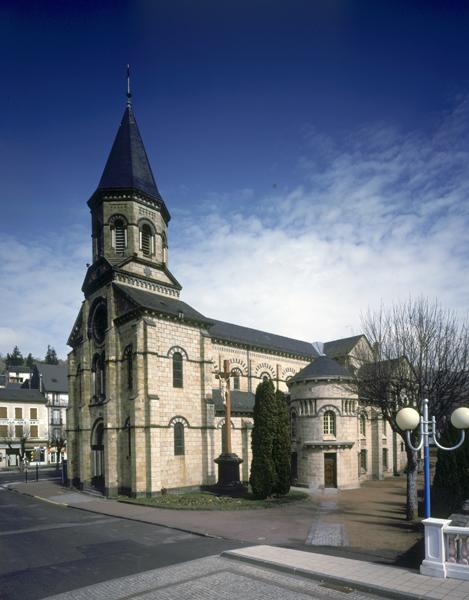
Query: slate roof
column 18, row 369
column 341, row 347
column 162, row 304
column 260, row 339
column 127, row 165
column 241, row 402
column 21, row 395
column 54, row 377
column 218, row 329
column 322, row 367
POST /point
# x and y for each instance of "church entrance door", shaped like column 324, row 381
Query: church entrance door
column 97, row 458
column 330, row 470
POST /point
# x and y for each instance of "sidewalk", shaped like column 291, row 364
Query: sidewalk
column 391, row 582
column 323, row 564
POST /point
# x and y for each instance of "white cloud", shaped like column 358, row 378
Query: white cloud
column 387, row 216
column 40, row 291
column 375, row 217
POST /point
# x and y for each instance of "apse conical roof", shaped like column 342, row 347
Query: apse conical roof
column 322, row 367
column 127, row 166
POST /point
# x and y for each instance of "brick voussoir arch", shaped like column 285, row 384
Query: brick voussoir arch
column 177, row 349
column 331, row 407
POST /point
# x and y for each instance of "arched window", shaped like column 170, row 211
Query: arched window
column 363, row 425
column 129, row 367
column 164, row 242
column 178, row 439
column 177, row 370
column 119, row 236
column 329, row 423
column 98, row 373
column 147, row 242
column 293, row 425
column 265, row 376
column 236, row 376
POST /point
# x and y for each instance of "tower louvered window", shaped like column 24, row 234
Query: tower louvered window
column 120, row 237
column 146, row 239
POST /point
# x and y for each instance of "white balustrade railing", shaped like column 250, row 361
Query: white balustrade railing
column 446, row 550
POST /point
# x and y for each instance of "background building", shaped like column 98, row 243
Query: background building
column 23, row 426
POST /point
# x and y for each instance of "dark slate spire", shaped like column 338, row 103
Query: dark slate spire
column 127, row 166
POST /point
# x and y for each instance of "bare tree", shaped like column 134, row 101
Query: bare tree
column 418, row 350
column 59, row 442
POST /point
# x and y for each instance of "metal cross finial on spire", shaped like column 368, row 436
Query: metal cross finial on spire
column 129, row 95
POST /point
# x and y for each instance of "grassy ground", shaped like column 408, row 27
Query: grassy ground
column 209, row 501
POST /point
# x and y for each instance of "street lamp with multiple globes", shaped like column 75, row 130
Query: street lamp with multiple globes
column 408, row 419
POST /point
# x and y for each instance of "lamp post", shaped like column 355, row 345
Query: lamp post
column 409, row 419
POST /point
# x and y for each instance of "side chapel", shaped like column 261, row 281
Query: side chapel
column 145, row 409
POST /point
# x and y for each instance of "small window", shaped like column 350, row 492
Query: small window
column 18, row 413
column 19, row 431
column 146, row 240
column 177, row 370
column 385, row 426
column 293, row 424
column 363, row 461
column 129, row 367
column 265, row 376
column 385, row 459
column 3, row 431
column 34, row 433
column 33, row 413
column 99, row 377
column 3, row 412
column 329, row 423
column 236, row 376
column 363, row 425
column 178, row 439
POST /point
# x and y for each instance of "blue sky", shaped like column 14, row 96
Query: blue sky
column 314, row 155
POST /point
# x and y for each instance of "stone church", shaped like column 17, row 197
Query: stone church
column 145, row 410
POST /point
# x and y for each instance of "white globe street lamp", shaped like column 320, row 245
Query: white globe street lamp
column 408, row 419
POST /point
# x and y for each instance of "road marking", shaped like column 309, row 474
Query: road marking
column 57, row 526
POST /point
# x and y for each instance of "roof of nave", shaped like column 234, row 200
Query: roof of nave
column 217, row 329
column 21, row 395
column 322, row 367
column 127, row 165
column 241, row 402
column 162, row 304
column 260, row 339
column 341, row 347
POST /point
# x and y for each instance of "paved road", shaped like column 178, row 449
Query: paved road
column 46, row 549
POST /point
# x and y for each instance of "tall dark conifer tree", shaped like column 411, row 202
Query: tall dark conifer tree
column 263, row 477
column 281, row 448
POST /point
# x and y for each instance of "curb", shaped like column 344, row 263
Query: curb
column 310, row 574
column 127, row 518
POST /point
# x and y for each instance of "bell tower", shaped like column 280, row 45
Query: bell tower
column 129, row 217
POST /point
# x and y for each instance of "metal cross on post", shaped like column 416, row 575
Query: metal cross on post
column 228, row 462
column 225, row 390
